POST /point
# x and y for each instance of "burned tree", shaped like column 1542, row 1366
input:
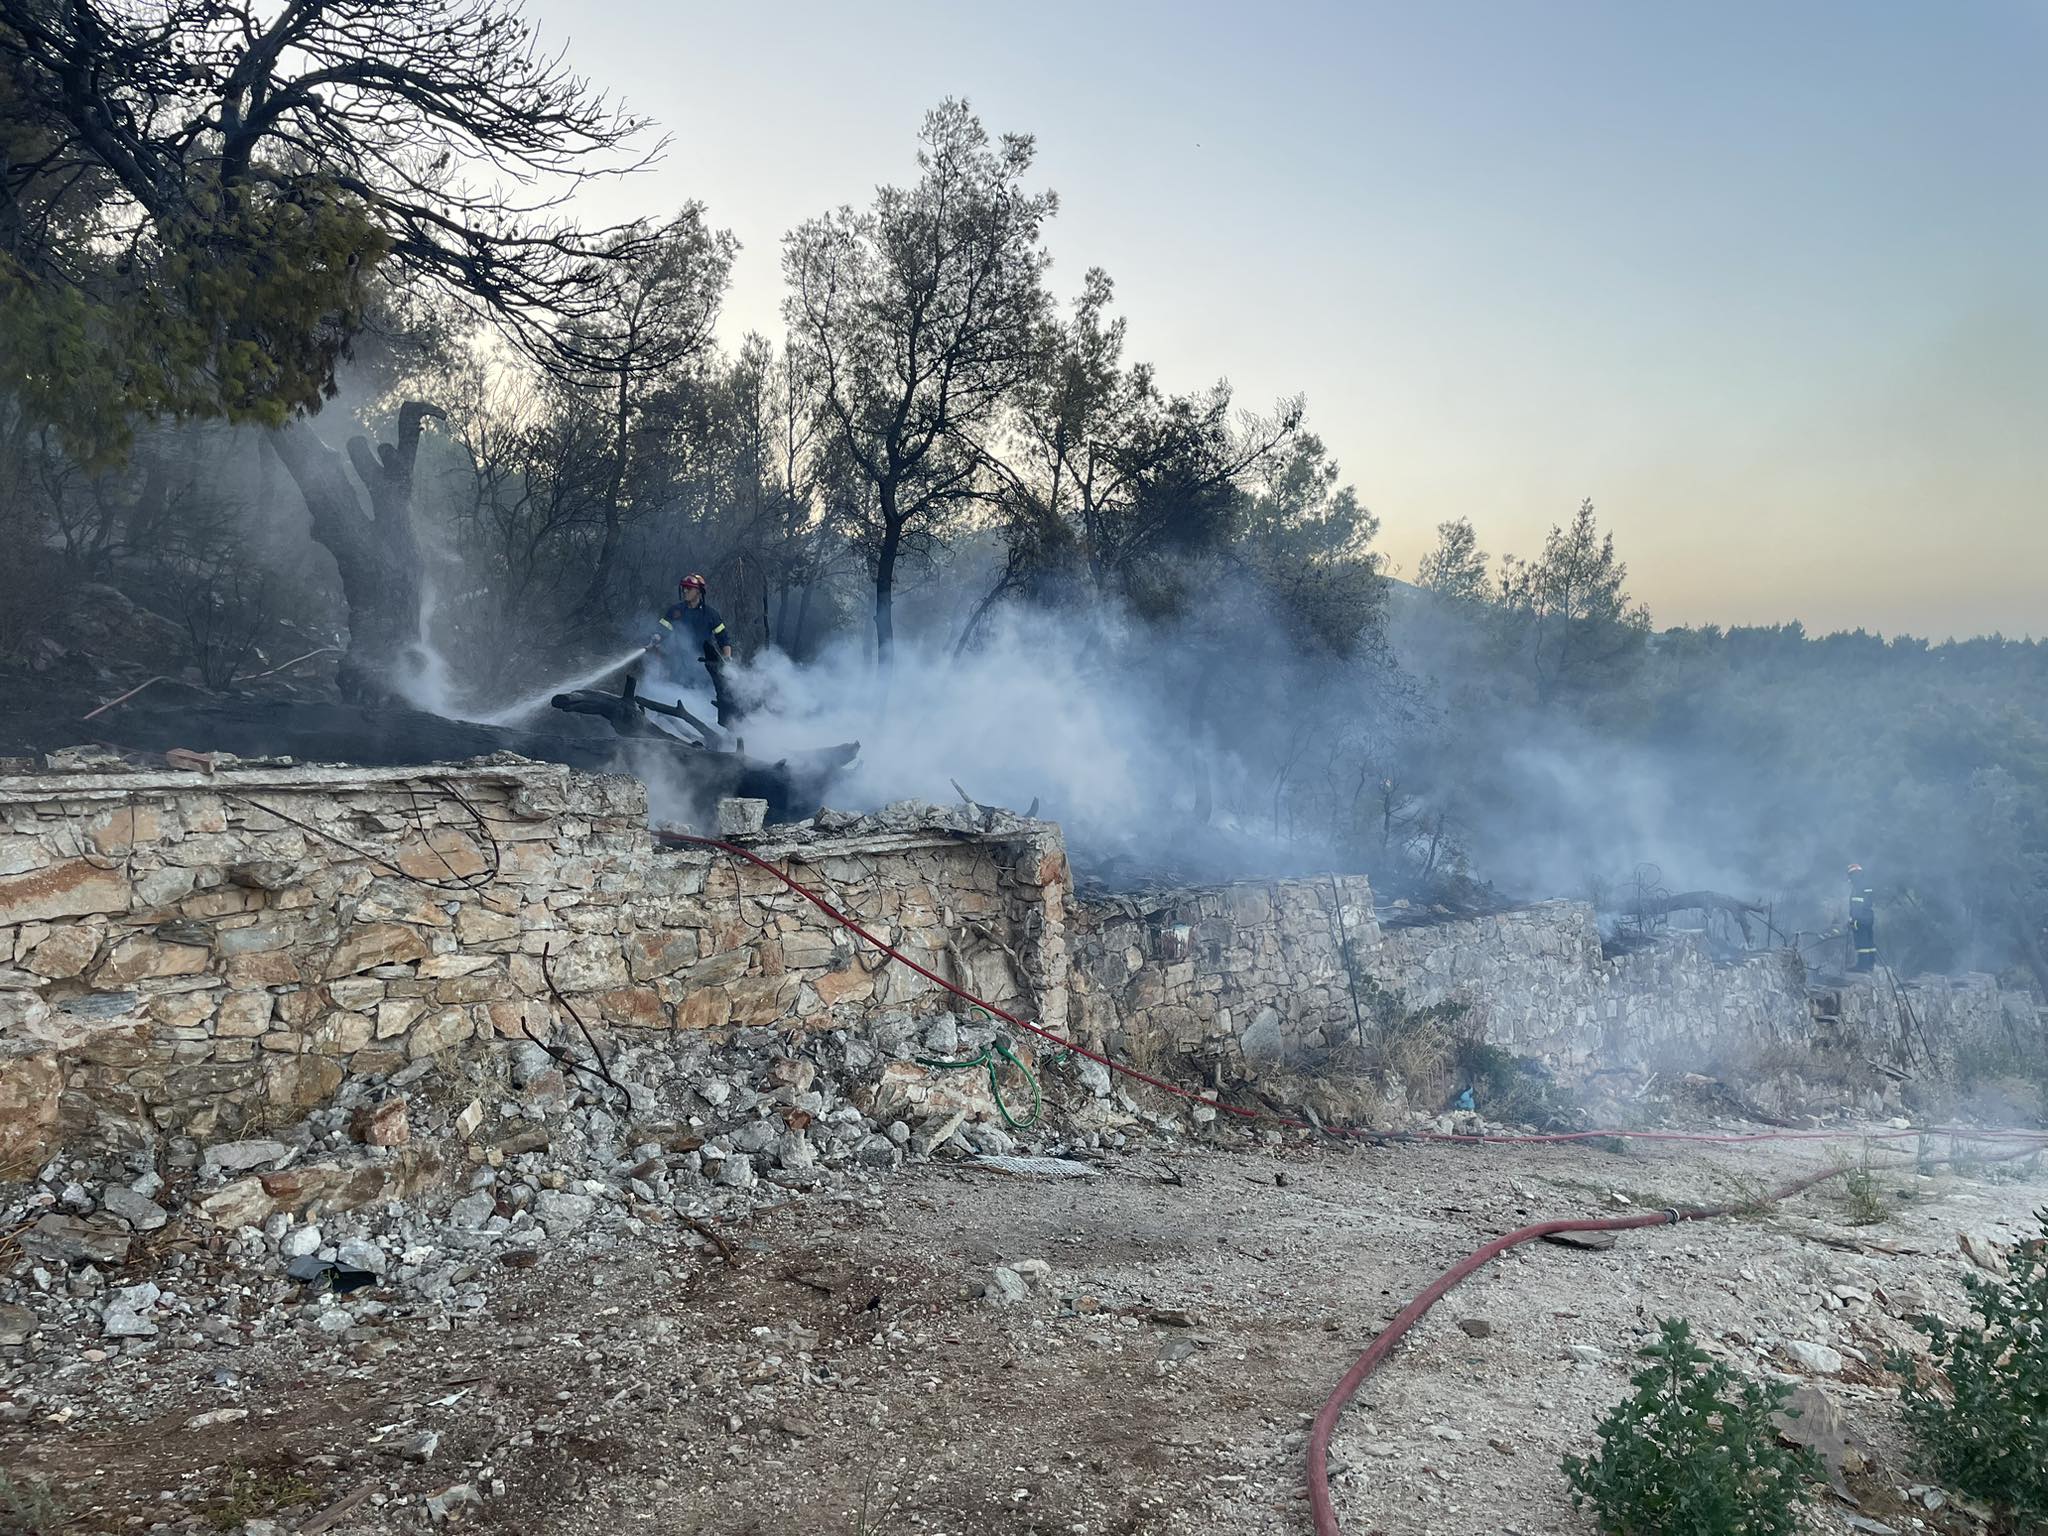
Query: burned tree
column 198, row 199
column 377, row 554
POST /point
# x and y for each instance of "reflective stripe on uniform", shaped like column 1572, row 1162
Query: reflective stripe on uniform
column 666, row 625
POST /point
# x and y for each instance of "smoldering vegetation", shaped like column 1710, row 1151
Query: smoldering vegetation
column 948, row 514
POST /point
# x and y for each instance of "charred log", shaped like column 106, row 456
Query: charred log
column 793, row 785
column 173, row 717
column 1660, row 905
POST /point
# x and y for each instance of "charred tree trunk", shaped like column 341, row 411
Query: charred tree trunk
column 1703, row 901
column 885, row 582
column 377, row 553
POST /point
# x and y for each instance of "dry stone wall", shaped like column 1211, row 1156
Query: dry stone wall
column 204, row 954
column 1257, row 969
column 1259, row 972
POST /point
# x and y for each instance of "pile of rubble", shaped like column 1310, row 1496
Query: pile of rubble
column 408, row 1193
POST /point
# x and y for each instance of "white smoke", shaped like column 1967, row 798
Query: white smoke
column 1031, row 715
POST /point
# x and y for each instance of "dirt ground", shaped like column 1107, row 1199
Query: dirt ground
column 842, row 1373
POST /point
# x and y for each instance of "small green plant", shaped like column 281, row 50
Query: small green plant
column 1865, row 1201
column 29, row 1506
column 1692, row 1452
column 1980, row 1405
column 1416, row 1045
column 1749, row 1197
column 256, row 1492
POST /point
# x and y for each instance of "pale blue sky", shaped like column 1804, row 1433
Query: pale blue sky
column 1768, row 281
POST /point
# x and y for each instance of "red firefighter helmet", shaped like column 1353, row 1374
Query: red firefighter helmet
column 689, row 581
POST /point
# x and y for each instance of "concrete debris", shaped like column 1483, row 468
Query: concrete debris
column 741, row 817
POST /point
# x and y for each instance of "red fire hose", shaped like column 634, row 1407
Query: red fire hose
column 1382, row 1346
column 1376, row 1353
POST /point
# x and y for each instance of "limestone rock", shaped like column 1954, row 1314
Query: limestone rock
column 144, row 1215
column 72, row 888
column 382, row 1125
column 240, row 1156
column 244, row 1015
column 244, row 1203
column 1814, row 1359
column 439, row 1032
column 66, row 952
column 375, row 944
column 66, row 1240
column 660, row 952
column 141, row 958
column 562, row 1214
column 595, row 963
column 741, row 817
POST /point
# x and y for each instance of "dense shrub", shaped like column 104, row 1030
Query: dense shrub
column 1692, row 1452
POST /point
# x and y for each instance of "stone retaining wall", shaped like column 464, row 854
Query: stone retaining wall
column 206, row 953
column 203, row 954
column 1253, row 968
column 1259, row 971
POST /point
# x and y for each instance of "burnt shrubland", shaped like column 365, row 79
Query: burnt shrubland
column 295, row 396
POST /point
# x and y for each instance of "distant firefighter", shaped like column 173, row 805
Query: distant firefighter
column 1862, row 918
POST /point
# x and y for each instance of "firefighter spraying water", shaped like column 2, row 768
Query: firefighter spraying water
column 704, row 631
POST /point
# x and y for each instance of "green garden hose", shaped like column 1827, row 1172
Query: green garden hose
column 992, row 1056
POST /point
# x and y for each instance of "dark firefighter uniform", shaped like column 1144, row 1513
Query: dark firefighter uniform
column 1863, row 918
column 705, row 632
column 701, row 626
